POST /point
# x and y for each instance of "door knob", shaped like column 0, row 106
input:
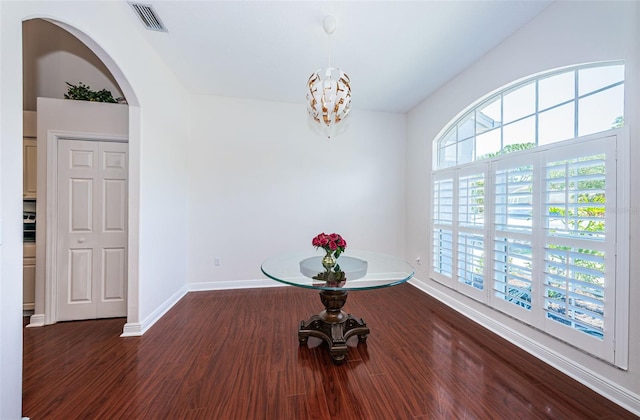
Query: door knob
column 81, row 240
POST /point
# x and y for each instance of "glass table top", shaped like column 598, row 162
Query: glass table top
column 355, row 270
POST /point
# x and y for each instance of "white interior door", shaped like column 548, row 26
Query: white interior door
column 92, row 229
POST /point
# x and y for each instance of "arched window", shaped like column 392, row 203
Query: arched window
column 543, row 109
column 526, row 189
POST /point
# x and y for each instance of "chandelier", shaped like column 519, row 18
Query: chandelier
column 329, row 91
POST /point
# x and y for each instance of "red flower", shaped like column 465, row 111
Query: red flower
column 333, row 243
column 320, row 240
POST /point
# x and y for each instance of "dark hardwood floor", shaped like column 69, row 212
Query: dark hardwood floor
column 235, row 355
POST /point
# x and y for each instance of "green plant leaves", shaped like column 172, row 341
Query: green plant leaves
column 82, row 92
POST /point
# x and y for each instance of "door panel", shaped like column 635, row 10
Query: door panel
column 115, row 196
column 113, row 273
column 113, row 229
column 81, row 206
column 92, row 229
column 80, row 278
column 81, row 158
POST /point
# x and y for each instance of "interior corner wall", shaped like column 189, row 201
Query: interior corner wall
column 263, row 182
column 566, row 33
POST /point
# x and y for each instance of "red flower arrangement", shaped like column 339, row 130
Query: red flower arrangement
column 333, row 244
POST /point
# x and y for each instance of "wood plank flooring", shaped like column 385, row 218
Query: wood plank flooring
column 235, row 355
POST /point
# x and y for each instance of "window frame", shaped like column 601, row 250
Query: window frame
column 499, row 94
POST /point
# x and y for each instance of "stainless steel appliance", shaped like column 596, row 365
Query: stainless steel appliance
column 29, row 226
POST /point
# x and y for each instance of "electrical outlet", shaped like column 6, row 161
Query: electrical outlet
column 216, row 261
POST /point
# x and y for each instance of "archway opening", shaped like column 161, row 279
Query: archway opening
column 55, row 56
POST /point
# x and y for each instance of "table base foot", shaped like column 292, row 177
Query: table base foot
column 335, row 334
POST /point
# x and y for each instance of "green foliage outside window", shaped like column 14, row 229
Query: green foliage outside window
column 509, row 148
column 584, row 218
column 618, row 122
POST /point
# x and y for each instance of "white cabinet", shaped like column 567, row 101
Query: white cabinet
column 29, row 167
column 29, row 277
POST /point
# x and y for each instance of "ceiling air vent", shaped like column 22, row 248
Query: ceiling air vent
column 148, row 17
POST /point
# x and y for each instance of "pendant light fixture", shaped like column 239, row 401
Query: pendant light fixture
column 329, row 91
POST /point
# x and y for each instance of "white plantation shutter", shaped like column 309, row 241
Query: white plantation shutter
column 579, row 244
column 470, row 262
column 471, row 199
column 442, row 234
column 513, row 246
column 513, row 196
column 512, row 276
column 471, row 231
column 533, row 235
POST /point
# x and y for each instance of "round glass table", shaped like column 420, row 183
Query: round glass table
column 355, row 270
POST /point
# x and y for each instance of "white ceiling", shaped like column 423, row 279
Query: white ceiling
column 395, row 52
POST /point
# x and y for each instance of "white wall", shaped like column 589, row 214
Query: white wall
column 262, row 182
column 158, row 129
column 10, row 208
column 53, row 56
column 566, row 33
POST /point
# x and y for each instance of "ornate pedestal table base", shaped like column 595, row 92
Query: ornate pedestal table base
column 333, row 325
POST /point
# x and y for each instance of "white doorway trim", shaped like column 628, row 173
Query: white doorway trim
column 133, row 327
column 53, row 136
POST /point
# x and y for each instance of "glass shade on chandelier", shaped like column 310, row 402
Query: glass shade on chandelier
column 329, row 96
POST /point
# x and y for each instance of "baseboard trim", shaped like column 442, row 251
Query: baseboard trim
column 620, row 395
column 131, row 329
column 135, row 329
column 227, row 285
column 36, row 320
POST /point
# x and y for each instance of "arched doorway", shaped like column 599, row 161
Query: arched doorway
column 74, row 56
